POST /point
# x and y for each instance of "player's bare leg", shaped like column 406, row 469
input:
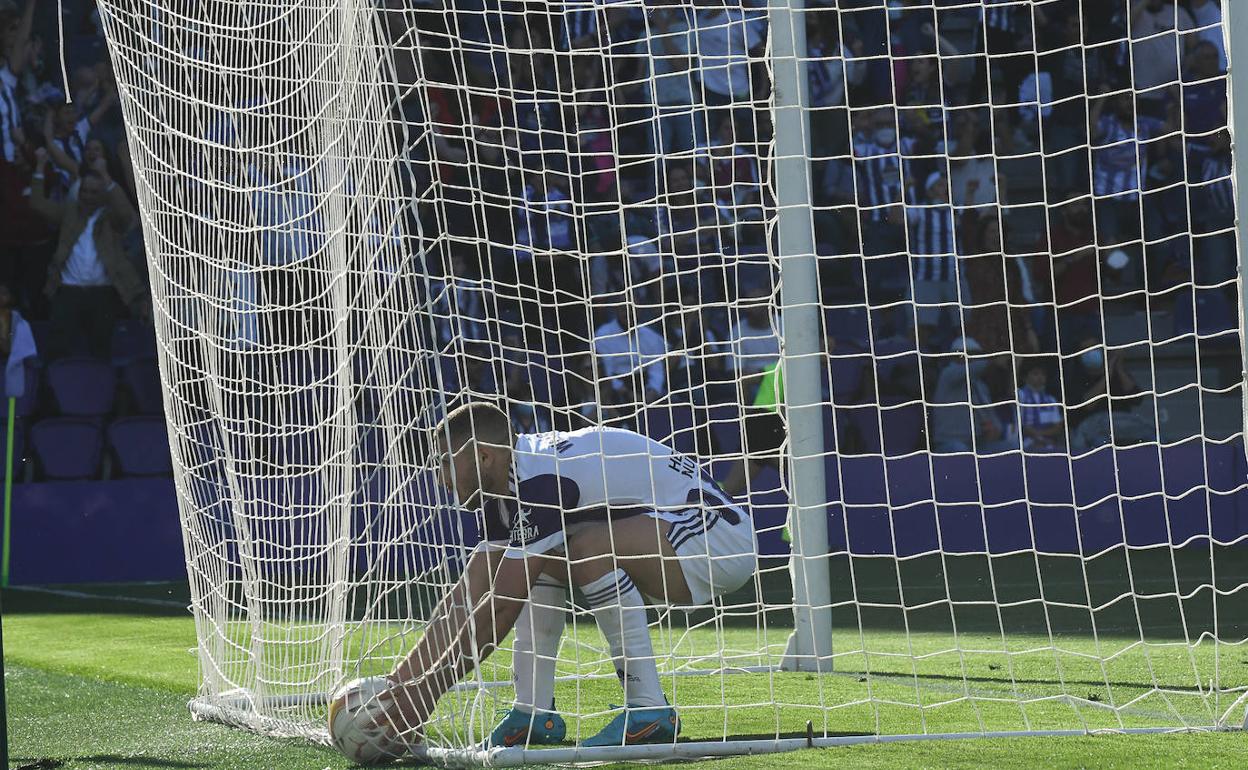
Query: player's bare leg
column 639, row 546
column 610, row 563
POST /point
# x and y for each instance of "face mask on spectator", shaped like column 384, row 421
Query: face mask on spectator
column 1093, row 359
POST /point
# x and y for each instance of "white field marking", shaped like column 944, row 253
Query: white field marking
column 100, row 597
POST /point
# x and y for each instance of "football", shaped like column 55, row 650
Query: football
column 352, row 710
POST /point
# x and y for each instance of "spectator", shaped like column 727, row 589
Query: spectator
column 1001, row 293
column 1154, row 53
column 15, row 52
column 1117, row 167
column 1040, row 417
column 879, row 187
column 1204, row 91
column 1004, row 48
column 972, row 166
column 1213, row 210
column 754, row 340
column 689, row 216
column 963, row 418
column 1063, row 117
column 1207, row 16
column 460, row 305
column 1075, row 273
column 833, row 66
column 17, row 343
column 699, row 367
column 629, row 356
column 672, row 44
column 1103, row 401
column 89, row 272
column 66, row 133
column 732, row 168
column 527, row 418
column 726, row 37
column 933, row 263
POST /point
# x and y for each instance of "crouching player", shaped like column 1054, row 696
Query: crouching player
column 610, row 511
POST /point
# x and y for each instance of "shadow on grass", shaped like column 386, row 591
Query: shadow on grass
column 108, row 760
column 1187, row 689
column 153, row 600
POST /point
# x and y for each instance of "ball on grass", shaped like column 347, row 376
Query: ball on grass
column 352, row 711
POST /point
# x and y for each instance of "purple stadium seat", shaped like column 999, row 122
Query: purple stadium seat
column 133, row 340
column 19, row 448
column 847, row 324
column 142, row 378
column 903, row 428
column 671, row 424
column 30, row 397
column 846, row 377
column 42, row 331
column 141, row 446
column 83, row 387
column 900, row 426
column 67, row 447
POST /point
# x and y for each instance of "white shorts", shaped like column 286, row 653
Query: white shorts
column 716, row 556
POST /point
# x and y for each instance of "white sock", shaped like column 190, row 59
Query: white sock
column 538, row 630
column 621, row 617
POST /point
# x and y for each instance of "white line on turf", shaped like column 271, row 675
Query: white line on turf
column 99, row 597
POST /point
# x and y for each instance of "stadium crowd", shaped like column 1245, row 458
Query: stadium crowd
column 995, row 188
column 76, row 316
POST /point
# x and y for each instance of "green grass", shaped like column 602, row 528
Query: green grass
column 100, row 684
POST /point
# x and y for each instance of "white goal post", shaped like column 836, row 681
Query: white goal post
column 946, row 294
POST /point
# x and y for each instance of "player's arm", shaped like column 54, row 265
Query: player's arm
column 482, row 610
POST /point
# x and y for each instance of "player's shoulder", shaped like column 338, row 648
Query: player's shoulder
column 593, row 440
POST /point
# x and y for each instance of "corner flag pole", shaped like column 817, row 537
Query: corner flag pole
column 8, row 493
column 4, row 579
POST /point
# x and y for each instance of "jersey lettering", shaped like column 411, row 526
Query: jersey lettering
column 684, row 465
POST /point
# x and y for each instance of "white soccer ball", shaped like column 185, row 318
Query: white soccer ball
column 352, row 710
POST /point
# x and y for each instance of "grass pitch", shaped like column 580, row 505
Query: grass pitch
column 104, row 684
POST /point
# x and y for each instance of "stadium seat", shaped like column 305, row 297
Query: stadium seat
column 132, row 341
column 142, row 378
column 67, row 447
column 82, row 387
column 901, row 428
column 19, row 448
column 1211, row 315
column 846, row 377
column 671, row 424
column 141, row 446
column 42, row 332
column 847, row 325
column 29, row 399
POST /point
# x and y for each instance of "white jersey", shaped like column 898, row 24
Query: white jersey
column 562, row 480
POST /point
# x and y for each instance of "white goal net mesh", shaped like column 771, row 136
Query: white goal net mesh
column 360, row 214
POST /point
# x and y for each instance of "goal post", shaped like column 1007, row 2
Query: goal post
column 810, row 646
column 947, row 294
column 1236, row 41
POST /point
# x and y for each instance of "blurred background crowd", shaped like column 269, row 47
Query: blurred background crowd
column 1022, row 213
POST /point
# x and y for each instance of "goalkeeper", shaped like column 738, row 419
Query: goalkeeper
column 608, row 510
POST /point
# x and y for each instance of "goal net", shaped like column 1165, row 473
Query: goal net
column 944, row 293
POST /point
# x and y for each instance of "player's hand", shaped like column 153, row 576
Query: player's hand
column 405, row 709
